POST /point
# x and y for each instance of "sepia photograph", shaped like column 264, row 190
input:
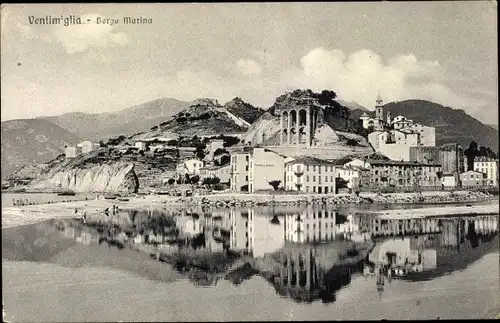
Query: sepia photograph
column 268, row 161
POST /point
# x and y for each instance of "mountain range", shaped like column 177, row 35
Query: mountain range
column 107, row 125
column 39, row 140
column 32, row 141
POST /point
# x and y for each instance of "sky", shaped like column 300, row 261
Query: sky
column 444, row 52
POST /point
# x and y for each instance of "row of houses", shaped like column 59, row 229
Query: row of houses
column 253, row 169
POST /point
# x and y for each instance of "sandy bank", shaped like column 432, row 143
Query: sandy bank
column 490, row 209
column 22, row 215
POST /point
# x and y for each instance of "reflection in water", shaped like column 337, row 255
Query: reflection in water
column 306, row 253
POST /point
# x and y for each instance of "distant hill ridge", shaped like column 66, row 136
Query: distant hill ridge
column 107, row 125
column 32, row 141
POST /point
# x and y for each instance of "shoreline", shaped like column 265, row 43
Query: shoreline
column 29, row 214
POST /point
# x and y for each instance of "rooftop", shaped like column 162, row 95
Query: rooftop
column 400, row 163
column 484, row 159
column 306, row 160
column 342, row 161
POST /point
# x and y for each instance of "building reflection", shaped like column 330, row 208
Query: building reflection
column 453, row 244
column 310, row 264
column 312, row 252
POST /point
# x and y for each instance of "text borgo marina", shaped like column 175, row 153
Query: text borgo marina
column 75, row 20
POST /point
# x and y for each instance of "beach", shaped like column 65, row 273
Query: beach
column 27, row 214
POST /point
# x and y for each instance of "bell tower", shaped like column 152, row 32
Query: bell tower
column 379, row 108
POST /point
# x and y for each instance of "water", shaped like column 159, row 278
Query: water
column 42, row 198
column 307, row 263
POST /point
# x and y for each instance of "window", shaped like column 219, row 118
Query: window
column 246, row 178
column 326, row 179
column 314, row 178
column 331, row 178
column 246, row 168
column 331, row 168
column 314, row 189
column 307, row 189
column 307, row 167
column 314, row 168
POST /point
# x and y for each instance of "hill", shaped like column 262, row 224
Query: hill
column 452, row 125
column 352, row 105
column 132, row 120
column 32, row 141
column 243, row 110
column 334, row 129
column 203, row 117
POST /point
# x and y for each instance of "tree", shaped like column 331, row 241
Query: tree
column 211, row 181
column 200, row 151
column 275, row 184
column 194, row 179
column 351, row 142
column 171, row 181
column 220, row 151
column 471, row 153
column 340, row 183
column 102, row 144
column 225, row 160
column 371, row 129
column 230, row 141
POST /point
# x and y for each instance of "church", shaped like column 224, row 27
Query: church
column 378, row 123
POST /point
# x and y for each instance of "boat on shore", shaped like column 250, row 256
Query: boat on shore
column 67, row 193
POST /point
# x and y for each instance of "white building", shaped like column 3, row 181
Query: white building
column 190, row 167
column 488, row 166
column 473, row 178
column 310, row 175
column 88, row 146
column 221, row 172
column 253, row 168
column 448, row 180
column 141, row 145
column 72, row 151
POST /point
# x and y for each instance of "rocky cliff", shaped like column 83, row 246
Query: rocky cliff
column 87, row 173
